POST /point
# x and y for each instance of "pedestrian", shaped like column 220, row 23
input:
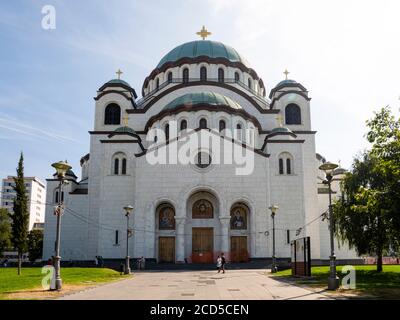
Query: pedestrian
column 219, row 264
column 96, row 261
column 223, row 262
column 121, row 268
column 142, row 262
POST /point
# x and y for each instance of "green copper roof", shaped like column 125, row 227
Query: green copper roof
column 199, row 48
column 119, row 81
column 280, row 129
column 210, row 98
column 285, row 82
column 125, row 130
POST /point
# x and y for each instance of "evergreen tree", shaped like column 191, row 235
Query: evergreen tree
column 20, row 216
column 5, row 231
column 35, row 245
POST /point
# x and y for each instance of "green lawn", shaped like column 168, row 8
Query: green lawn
column 31, row 278
column 367, row 279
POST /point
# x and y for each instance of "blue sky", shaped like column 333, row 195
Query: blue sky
column 346, row 53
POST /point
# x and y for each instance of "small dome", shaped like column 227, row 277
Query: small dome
column 118, row 81
column 125, row 130
column 285, row 82
column 211, row 49
column 209, row 98
column 281, row 130
column 338, row 171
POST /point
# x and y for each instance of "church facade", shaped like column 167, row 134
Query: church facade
column 192, row 202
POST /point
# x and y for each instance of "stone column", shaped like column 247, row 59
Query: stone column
column 180, row 239
column 225, row 220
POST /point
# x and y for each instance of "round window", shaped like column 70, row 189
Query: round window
column 203, row 160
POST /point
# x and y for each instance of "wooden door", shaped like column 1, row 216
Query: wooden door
column 166, row 249
column 239, row 249
column 202, row 245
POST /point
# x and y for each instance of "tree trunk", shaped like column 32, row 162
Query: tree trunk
column 19, row 263
column 379, row 261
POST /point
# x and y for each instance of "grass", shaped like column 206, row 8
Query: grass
column 385, row 284
column 31, row 278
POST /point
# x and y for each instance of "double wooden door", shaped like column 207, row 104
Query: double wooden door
column 202, row 245
column 239, row 251
column 166, row 249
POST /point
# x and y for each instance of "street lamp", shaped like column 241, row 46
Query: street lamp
column 61, row 167
column 128, row 211
column 333, row 280
column 273, row 209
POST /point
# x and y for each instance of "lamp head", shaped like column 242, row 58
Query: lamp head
column 274, row 208
column 61, row 167
column 328, row 168
column 128, row 210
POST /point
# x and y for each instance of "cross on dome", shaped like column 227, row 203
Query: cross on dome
column 119, row 72
column 286, row 72
column 279, row 118
column 203, row 33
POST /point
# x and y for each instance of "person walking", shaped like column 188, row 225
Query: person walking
column 223, row 262
column 219, row 264
column 96, row 261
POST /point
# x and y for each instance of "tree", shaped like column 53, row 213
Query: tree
column 20, row 216
column 368, row 216
column 35, row 245
column 5, row 231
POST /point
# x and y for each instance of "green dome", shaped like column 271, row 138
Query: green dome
column 125, row 130
column 210, row 98
column 286, row 82
column 194, row 49
column 118, row 81
column 281, row 129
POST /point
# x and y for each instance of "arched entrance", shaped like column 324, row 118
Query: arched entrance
column 165, row 220
column 239, row 231
column 204, row 227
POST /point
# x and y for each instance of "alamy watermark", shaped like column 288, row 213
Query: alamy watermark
column 349, row 280
column 49, row 17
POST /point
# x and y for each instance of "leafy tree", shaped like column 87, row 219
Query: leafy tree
column 5, row 231
column 35, row 245
column 368, row 217
column 20, row 216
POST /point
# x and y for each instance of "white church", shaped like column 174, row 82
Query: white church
column 190, row 212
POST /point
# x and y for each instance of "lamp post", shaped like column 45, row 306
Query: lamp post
column 333, row 280
column 128, row 211
column 61, row 167
column 273, row 209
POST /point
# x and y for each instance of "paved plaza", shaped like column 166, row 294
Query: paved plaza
column 207, row 285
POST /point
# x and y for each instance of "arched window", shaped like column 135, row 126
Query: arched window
column 203, row 123
column 288, row 166
column 62, row 196
column 285, row 163
column 239, row 131
column 203, row 74
column 292, row 114
column 185, row 75
column 169, row 77
column 157, row 83
column 124, row 166
column 183, row 125
column 239, row 214
column 116, row 166
column 56, row 197
column 167, row 132
column 222, row 125
column 112, row 114
column 280, row 166
column 221, row 75
column 249, row 83
column 237, row 77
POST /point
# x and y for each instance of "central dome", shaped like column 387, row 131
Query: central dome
column 209, row 98
column 198, row 48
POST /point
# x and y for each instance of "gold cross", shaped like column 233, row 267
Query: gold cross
column 125, row 119
column 119, row 72
column 286, row 73
column 203, row 33
column 279, row 118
